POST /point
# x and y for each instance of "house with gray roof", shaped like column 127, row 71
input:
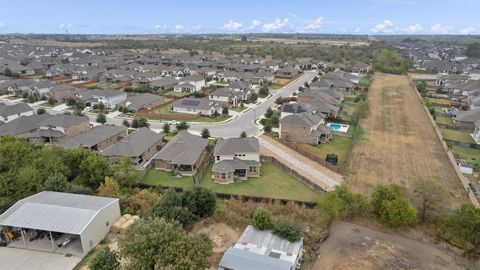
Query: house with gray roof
column 262, row 250
column 11, row 112
column 182, row 155
column 143, row 101
column 202, row 106
column 97, row 138
column 467, row 119
column 23, row 125
column 58, row 128
column 306, row 127
column 236, row 159
column 140, row 147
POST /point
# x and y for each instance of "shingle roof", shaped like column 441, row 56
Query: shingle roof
column 134, row 144
column 237, row 145
column 93, row 137
column 184, row 148
column 7, row 110
column 22, row 124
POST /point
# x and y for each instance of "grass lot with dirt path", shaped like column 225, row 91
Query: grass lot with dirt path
column 400, row 144
column 274, row 183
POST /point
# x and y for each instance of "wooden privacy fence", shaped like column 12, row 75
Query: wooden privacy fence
column 463, row 179
column 311, row 156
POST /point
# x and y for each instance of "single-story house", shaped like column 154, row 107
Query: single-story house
column 97, row 138
column 11, row 112
column 201, row 106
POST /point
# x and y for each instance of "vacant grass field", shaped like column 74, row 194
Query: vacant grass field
column 339, row 145
column 457, row 135
column 400, row 144
column 274, row 183
column 443, row 120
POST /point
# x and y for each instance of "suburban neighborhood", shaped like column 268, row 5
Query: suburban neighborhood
column 283, row 145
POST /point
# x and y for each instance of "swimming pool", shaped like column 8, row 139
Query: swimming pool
column 338, row 127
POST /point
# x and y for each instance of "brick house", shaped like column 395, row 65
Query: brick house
column 307, row 127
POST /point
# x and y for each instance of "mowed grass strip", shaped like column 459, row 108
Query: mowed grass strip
column 274, row 183
column 457, row 135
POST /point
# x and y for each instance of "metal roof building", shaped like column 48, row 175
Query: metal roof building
column 262, row 250
column 88, row 217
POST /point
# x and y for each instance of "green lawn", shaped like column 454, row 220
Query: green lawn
column 238, row 109
column 339, row 145
column 175, row 94
column 274, row 183
column 438, row 109
column 440, row 102
column 456, row 135
column 166, row 110
column 443, row 120
column 470, row 155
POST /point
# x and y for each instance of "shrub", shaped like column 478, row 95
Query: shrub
column 287, row 230
column 105, row 259
column 200, row 201
column 262, row 219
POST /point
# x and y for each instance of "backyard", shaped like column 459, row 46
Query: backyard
column 339, row 145
column 444, row 120
column 470, row 155
column 274, row 183
column 457, row 135
column 167, row 114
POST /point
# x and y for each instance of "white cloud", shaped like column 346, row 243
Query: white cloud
column 415, row 28
column 356, row 30
column 2, row 24
column 179, row 27
column 160, row 26
column 384, row 27
column 440, row 29
column 467, row 30
column 254, row 25
column 232, row 26
column 65, row 25
column 316, row 24
column 276, row 25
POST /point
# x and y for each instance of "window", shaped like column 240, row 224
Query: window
column 224, row 175
column 218, row 158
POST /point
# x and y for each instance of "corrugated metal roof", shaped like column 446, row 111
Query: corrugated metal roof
column 244, row 260
column 55, row 211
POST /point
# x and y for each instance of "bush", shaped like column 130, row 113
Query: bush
column 41, row 111
column 287, row 230
column 341, row 203
column 262, row 219
column 267, row 128
column 390, row 60
column 398, row 213
column 200, row 201
column 105, row 259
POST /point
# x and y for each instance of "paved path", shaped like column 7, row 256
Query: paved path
column 315, row 172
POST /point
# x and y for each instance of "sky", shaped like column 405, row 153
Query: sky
column 374, row 17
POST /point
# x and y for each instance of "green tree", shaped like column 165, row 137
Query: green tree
column 341, row 203
column 7, row 72
column 390, row 60
column 142, row 122
column 205, row 133
column 56, row 182
column 383, row 193
column 126, row 123
column 159, row 244
column 287, row 230
column 263, row 91
column 464, row 224
column 268, row 113
column 41, row 111
column 105, row 259
column 51, row 101
column 166, row 128
column 125, row 172
column 243, row 134
column 101, row 118
column 262, row 219
column 429, row 197
column 182, row 126
column 134, row 123
column 200, row 201
column 225, row 111
column 253, row 97
column 267, row 128
column 92, row 170
column 398, row 213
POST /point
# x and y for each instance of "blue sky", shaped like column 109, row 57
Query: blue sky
column 241, row 16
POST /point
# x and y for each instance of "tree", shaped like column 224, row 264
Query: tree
column 142, row 122
column 472, row 51
column 263, row 91
column 101, row 118
column 92, row 170
column 101, row 106
column 71, row 101
column 200, row 201
column 166, row 128
column 287, row 230
column 56, row 182
column 390, row 60
column 41, row 111
column 341, row 203
column 243, row 134
column 225, row 111
column 383, row 193
column 267, row 128
column 205, row 133
column 51, row 100
column 429, row 197
column 182, row 126
column 464, row 225
column 134, row 123
column 109, row 188
column 125, row 173
column 398, row 213
column 7, row 72
column 275, row 119
column 126, row 123
column 106, row 259
column 253, row 97
column 279, row 100
column 269, row 112
column 262, row 219
column 159, row 244
column 140, row 201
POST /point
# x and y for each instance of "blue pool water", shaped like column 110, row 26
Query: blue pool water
column 336, row 127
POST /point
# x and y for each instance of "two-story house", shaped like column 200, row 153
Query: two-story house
column 307, row 127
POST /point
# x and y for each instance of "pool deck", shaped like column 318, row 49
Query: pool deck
column 341, row 127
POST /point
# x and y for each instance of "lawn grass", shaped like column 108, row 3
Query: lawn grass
column 438, row 109
column 166, row 110
column 440, row 102
column 238, row 109
column 175, row 94
column 443, row 120
column 339, row 145
column 456, row 135
column 470, row 155
column 274, row 183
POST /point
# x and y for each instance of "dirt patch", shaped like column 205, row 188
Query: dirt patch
column 222, row 235
column 400, row 144
column 355, row 247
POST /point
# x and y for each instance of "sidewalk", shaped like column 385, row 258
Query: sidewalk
column 315, row 172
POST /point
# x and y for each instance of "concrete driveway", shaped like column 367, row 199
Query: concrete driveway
column 24, row 259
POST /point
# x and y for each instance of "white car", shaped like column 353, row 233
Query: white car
column 174, row 123
column 87, row 109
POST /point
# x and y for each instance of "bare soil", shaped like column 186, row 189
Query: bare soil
column 399, row 145
column 355, row 247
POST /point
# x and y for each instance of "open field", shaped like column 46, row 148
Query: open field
column 400, row 144
column 354, row 247
column 273, row 183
